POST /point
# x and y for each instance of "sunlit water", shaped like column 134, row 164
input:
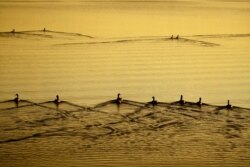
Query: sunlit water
column 126, row 49
column 131, row 134
column 39, row 65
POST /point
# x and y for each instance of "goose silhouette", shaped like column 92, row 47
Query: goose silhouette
column 181, row 101
column 228, row 106
column 199, row 103
column 118, row 99
column 16, row 99
column 57, row 101
column 154, row 102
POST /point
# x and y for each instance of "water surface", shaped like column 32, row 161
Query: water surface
column 131, row 134
column 90, row 51
column 38, row 65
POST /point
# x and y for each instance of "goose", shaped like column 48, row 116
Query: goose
column 172, row 37
column 44, row 30
column 181, row 100
column 154, row 102
column 118, row 99
column 177, row 37
column 199, row 103
column 229, row 106
column 13, row 31
column 57, row 101
column 16, row 99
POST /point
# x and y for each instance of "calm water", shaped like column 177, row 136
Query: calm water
column 126, row 48
column 129, row 53
column 86, row 70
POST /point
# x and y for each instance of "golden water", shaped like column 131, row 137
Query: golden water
column 124, row 47
column 92, row 70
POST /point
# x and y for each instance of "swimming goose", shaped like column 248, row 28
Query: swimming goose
column 13, row 31
column 16, row 99
column 57, row 101
column 118, row 99
column 177, row 37
column 229, row 106
column 172, row 37
column 181, row 101
column 199, row 103
column 154, row 102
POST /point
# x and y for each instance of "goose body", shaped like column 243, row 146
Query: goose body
column 182, row 102
column 199, row 103
column 16, row 99
column 154, row 102
column 118, row 99
column 57, row 101
column 229, row 106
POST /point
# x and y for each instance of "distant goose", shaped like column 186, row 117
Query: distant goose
column 199, row 103
column 181, row 101
column 44, row 30
column 154, row 102
column 177, row 37
column 13, row 31
column 172, row 37
column 229, row 106
column 118, row 99
column 57, row 101
column 16, row 99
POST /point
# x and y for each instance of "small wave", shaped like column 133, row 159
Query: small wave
column 36, row 120
column 202, row 43
column 42, row 34
column 222, row 35
column 35, row 135
column 164, row 39
column 106, row 42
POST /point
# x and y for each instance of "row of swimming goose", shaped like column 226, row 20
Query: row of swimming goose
column 17, row 99
column 119, row 101
column 44, row 30
column 13, row 31
column 172, row 37
column 181, row 101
